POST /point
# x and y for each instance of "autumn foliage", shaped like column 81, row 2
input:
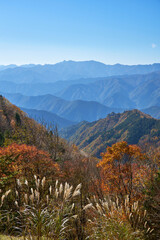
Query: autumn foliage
column 106, row 206
column 124, row 170
column 23, row 160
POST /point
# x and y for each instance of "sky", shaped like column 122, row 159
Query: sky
column 50, row 31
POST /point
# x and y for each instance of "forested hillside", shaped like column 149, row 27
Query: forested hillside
column 33, row 157
column 133, row 126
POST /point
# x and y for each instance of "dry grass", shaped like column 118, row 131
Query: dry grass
column 4, row 237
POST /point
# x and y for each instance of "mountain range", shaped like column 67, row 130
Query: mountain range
column 70, row 70
column 70, row 92
column 93, row 104
column 134, row 91
column 35, row 89
column 133, row 126
column 121, row 91
column 74, row 111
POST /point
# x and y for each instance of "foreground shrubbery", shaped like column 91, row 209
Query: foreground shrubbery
column 40, row 210
column 113, row 203
column 43, row 210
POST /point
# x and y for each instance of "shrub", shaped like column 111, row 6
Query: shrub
column 42, row 210
column 152, row 205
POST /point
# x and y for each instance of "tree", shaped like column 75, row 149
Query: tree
column 124, row 170
column 18, row 119
column 24, row 160
column 1, row 139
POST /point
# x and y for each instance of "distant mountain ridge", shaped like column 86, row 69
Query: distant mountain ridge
column 133, row 126
column 3, row 67
column 154, row 111
column 71, row 70
column 125, row 92
column 48, row 118
column 82, row 91
column 74, row 111
column 132, row 91
column 35, row 89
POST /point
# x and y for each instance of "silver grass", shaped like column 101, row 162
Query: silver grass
column 16, row 193
column 43, row 182
column 26, row 182
column 18, row 183
column 32, row 197
column 7, row 192
column 60, row 188
column 56, row 184
column 87, row 206
column 16, row 203
column 2, row 199
column 72, row 206
column 76, row 193
column 50, row 190
column 47, row 198
column 56, row 193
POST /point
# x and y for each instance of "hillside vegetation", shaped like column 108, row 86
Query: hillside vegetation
column 50, row 189
column 133, row 126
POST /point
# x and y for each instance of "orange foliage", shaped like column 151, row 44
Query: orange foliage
column 82, row 169
column 124, row 170
column 25, row 161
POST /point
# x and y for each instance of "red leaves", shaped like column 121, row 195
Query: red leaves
column 26, row 160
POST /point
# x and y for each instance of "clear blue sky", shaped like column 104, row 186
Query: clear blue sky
column 49, row 31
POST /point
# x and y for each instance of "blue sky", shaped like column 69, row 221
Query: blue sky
column 49, row 31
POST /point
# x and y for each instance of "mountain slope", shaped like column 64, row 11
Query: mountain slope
column 72, row 110
column 153, row 111
column 147, row 93
column 35, row 89
column 48, row 118
column 15, row 126
column 103, row 91
column 135, row 91
column 8, row 115
column 133, row 126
